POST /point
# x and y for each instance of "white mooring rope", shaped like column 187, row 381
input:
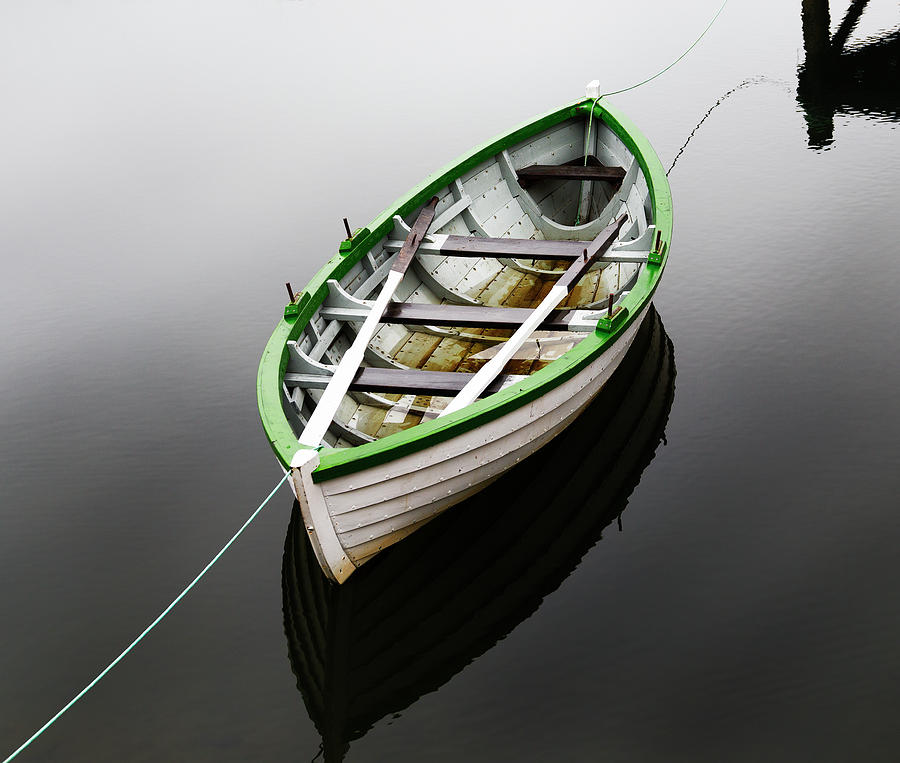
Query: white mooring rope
column 149, row 628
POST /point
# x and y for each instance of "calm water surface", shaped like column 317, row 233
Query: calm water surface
column 167, row 166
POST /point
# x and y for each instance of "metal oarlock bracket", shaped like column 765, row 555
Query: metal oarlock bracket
column 659, row 249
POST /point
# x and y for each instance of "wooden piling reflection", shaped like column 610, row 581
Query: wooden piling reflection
column 835, row 78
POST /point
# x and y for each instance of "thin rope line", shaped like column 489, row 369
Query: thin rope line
column 644, row 82
column 660, row 73
column 709, row 111
column 149, row 628
column 758, row 80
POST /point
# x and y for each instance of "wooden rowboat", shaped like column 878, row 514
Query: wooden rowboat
column 464, row 328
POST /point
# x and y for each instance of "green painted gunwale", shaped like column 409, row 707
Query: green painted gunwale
column 335, row 462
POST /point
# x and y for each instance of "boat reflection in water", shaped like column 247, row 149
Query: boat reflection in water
column 407, row 622
column 837, row 78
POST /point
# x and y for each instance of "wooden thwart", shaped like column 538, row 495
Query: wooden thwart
column 515, row 248
column 574, row 170
column 470, row 316
column 520, row 248
column 412, row 381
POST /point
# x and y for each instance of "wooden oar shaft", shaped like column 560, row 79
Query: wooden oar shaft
column 334, row 393
column 416, row 234
column 494, row 367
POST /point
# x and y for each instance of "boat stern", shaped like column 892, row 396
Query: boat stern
column 322, row 536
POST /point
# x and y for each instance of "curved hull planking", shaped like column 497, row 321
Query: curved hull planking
column 350, row 519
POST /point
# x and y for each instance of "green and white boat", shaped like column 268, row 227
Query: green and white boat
column 464, row 327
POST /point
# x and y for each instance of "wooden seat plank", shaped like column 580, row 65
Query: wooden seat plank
column 515, row 248
column 469, row 316
column 522, row 248
column 528, row 249
column 574, row 170
column 412, row 381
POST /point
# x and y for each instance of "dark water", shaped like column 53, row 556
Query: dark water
column 166, row 167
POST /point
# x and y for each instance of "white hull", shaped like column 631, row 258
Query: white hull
column 351, row 518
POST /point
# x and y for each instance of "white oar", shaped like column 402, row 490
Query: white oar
column 492, row 369
column 345, row 372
